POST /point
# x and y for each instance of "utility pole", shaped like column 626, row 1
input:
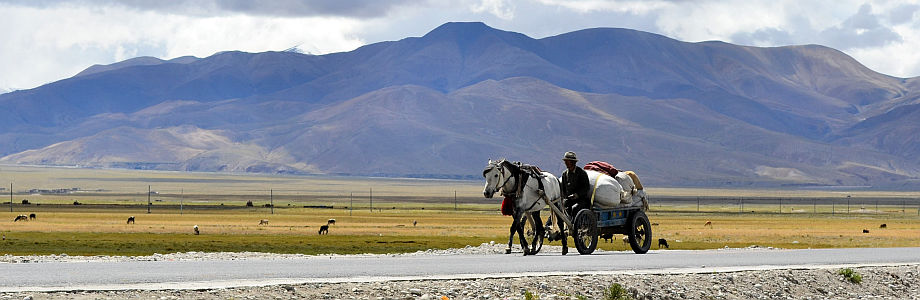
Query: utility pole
column 181, row 197
column 351, row 203
column 148, row 199
column 271, row 200
column 372, row 199
column 455, row 199
column 11, row 197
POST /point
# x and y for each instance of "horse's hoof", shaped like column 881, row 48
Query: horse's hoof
column 507, row 251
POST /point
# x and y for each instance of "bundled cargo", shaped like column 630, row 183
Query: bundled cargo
column 616, row 191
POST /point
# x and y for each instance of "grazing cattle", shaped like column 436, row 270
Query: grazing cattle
column 324, row 229
column 608, row 237
column 195, row 228
column 708, row 223
column 130, row 220
column 654, row 224
column 663, row 242
column 414, row 222
column 21, row 218
column 330, row 222
column 883, row 226
column 865, row 230
column 263, row 222
column 32, row 216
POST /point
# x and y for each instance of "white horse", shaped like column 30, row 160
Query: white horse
column 526, row 192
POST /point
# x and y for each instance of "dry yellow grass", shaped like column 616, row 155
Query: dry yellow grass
column 428, row 202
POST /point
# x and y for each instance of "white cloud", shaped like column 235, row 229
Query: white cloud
column 55, row 42
column 627, row 6
column 47, row 41
column 498, row 8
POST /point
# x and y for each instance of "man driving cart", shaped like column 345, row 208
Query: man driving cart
column 574, row 185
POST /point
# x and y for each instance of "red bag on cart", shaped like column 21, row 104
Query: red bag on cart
column 602, row 167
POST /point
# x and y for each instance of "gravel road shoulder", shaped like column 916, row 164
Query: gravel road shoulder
column 878, row 282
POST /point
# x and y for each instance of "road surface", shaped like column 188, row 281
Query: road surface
column 69, row 276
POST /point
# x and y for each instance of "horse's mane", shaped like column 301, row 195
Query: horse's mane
column 515, row 167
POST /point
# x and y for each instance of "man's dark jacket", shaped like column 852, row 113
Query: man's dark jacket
column 576, row 183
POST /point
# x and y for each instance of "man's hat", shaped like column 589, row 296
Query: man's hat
column 570, row 156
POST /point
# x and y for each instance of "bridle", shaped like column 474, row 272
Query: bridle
column 500, row 166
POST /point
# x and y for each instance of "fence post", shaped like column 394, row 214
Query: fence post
column 271, row 200
column 741, row 201
column 148, row 199
column 814, row 203
column 697, row 204
column 780, row 204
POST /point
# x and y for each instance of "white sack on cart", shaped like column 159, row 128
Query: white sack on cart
column 610, row 193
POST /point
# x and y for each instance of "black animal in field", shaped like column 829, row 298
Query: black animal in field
column 608, row 237
column 32, row 216
column 663, row 242
column 130, row 220
column 21, row 218
column 324, row 229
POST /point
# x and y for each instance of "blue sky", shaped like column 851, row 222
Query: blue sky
column 45, row 41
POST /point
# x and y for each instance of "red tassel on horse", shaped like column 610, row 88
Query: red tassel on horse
column 507, row 206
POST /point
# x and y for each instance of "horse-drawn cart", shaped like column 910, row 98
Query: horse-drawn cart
column 590, row 224
column 630, row 221
column 527, row 191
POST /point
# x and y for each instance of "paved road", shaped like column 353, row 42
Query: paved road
column 59, row 276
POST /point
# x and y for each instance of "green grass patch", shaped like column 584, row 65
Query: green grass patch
column 850, row 275
column 133, row 244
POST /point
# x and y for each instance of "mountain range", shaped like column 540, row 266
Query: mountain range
column 441, row 105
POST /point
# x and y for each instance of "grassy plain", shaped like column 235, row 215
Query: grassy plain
column 216, row 203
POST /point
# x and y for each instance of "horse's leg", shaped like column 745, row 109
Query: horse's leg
column 538, row 228
column 519, row 225
column 511, row 234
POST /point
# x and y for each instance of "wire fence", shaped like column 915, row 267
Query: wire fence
column 183, row 201
column 781, row 205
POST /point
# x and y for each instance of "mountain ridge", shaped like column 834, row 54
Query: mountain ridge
column 702, row 114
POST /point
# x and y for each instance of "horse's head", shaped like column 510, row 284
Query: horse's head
column 495, row 176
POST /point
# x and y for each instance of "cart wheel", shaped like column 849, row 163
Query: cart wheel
column 640, row 233
column 530, row 234
column 585, row 231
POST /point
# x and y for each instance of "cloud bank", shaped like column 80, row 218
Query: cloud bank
column 45, row 40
